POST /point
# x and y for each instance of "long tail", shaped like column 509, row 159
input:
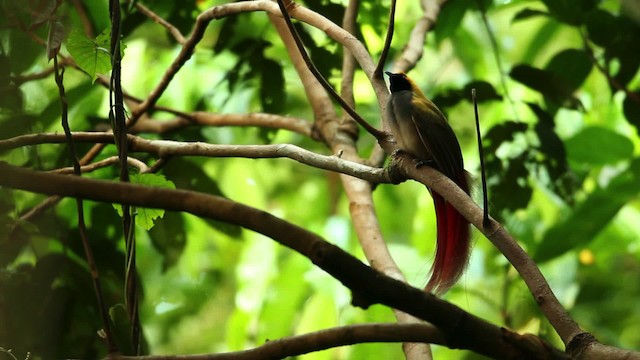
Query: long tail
column 453, row 245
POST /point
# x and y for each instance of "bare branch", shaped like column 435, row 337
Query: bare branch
column 460, row 329
column 370, row 129
column 142, row 167
column 164, row 23
column 164, row 148
column 561, row 321
column 387, row 42
column 265, row 120
column 321, row 340
column 413, row 50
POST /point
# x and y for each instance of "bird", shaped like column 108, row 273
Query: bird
column 421, row 130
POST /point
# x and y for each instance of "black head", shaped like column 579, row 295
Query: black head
column 398, row 82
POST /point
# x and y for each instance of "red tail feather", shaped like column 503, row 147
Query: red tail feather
column 452, row 248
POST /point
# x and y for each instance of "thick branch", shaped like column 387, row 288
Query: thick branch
column 460, row 329
column 561, row 321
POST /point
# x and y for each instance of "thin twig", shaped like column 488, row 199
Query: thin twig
column 322, row 340
column 159, row 20
column 414, row 48
column 387, row 42
column 142, row 167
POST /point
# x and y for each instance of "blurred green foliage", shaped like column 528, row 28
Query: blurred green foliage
column 559, row 95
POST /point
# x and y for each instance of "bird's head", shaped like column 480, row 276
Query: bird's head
column 399, row 82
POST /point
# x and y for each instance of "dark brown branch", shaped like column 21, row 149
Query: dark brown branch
column 387, row 41
column 319, row 340
column 325, row 84
column 460, row 329
column 561, row 321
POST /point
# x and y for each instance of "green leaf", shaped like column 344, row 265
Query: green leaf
column 597, row 145
column 528, row 13
column 572, row 65
column 272, row 94
column 146, row 217
column 554, row 87
column 93, row 57
column 572, row 12
column 590, row 216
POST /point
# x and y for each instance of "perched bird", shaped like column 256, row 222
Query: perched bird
column 421, row 130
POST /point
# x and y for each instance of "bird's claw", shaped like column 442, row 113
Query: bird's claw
column 419, row 163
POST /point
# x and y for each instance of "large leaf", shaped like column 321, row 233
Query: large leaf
column 590, row 216
column 92, row 56
column 572, row 12
column 572, row 65
column 552, row 86
column 597, row 145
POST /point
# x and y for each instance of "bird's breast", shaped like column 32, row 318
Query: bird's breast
column 400, row 112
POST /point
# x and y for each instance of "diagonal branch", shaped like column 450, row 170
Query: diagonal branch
column 460, row 329
column 370, row 129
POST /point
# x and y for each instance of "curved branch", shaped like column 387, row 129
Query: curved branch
column 561, row 321
column 460, row 329
column 217, row 12
column 319, row 340
column 162, row 22
column 142, row 167
column 413, row 50
column 370, row 129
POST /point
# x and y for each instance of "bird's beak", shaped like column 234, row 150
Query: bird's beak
column 389, row 73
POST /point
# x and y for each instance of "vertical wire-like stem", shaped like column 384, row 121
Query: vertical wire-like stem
column 91, row 262
column 118, row 121
column 483, row 171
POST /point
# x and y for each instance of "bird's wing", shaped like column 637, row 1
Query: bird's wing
column 438, row 138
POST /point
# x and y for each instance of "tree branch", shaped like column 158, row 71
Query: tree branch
column 460, row 329
column 319, row 340
column 413, row 50
column 297, row 125
column 164, row 148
